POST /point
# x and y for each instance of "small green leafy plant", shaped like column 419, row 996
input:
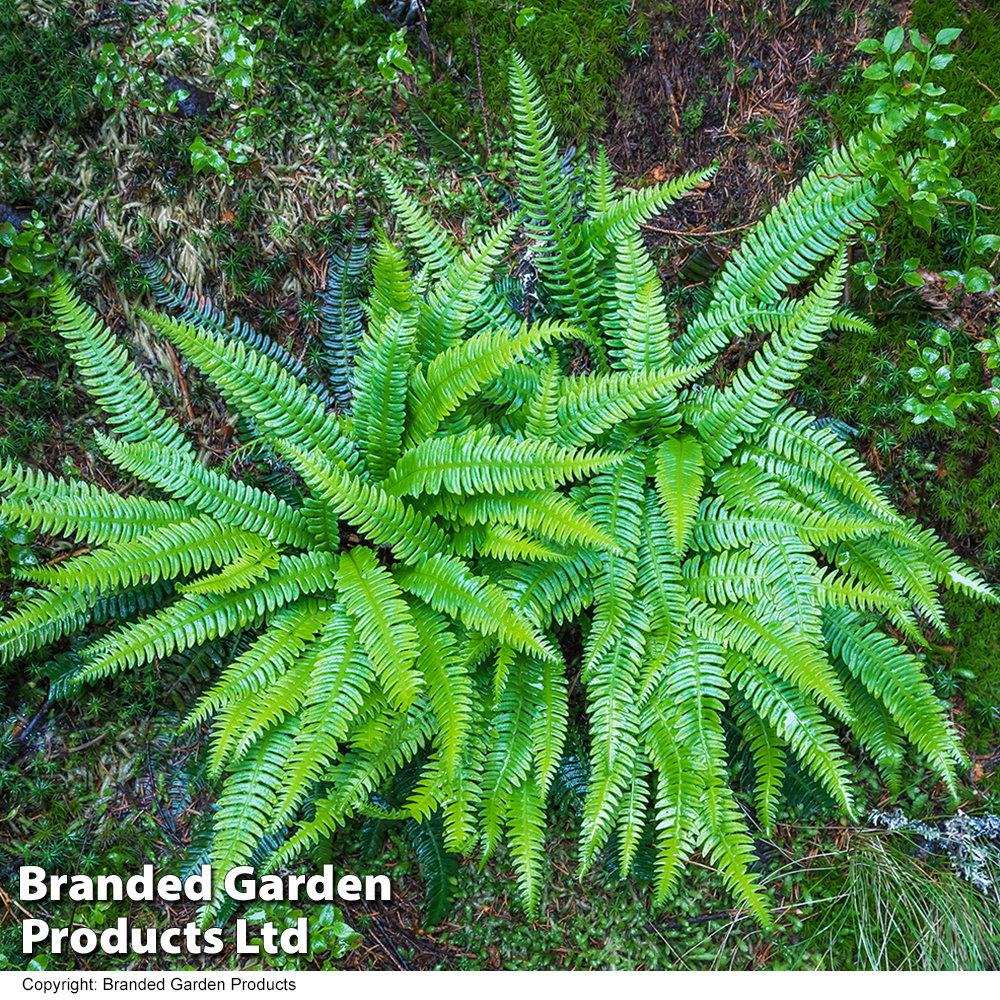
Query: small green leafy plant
column 921, row 183
column 936, row 397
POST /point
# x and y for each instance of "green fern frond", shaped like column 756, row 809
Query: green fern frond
column 374, row 602
column 227, row 500
column 755, row 390
column 680, row 473
column 193, row 620
column 448, row 586
column 590, row 406
column 448, row 309
column 434, row 242
column 461, row 370
column 43, row 503
column 384, row 519
column 341, row 677
column 287, row 635
column 246, row 808
column 893, row 676
column 799, row 722
column 546, row 513
column 380, row 391
column 241, row 572
column 526, row 835
column 280, row 406
column 482, row 462
column 186, row 547
column 104, row 367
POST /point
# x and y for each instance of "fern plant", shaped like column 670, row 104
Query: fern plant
column 371, row 594
column 756, row 558
column 726, row 561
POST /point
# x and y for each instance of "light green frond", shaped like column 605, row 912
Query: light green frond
column 542, row 410
column 723, row 838
column 108, row 374
column 729, row 577
column 341, row 677
column 678, row 793
column 549, row 725
column 399, row 738
column 434, row 242
column 241, row 723
column 482, row 462
column 557, row 591
column 756, row 390
column 526, row 836
column 718, row 527
column 42, row 619
column 279, row 405
column 593, row 404
column 449, row 307
column 241, row 572
column 792, row 434
column 392, row 288
column 947, row 568
column 246, row 808
column 611, row 680
column 509, row 756
column 680, row 475
column 177, row 550
column 616, row 502
column 632, row 208
column 797, row 720
column 449, row 688
column 43, row 503
column 193, row 620
column 382, row 518
column 448, row 586
column 876, row 729
column 634, row 813
column 461, row 370
column 659, row 575
column 546, row 513
column 374, row 602
column 287, row 635
column 227, row 500
column 776, row 645
column 381, row 374
column 791, row 588
column 502, row 541
column 769, row 765
column 896, row 678
column 807, row 226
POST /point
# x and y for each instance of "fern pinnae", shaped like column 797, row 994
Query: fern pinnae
column 434, row 242
column 374, row 602
column 280, row 406
column 252, row 671
column 341, row 678
column 103, row 366
column 228, row 500
column 178, row 550
column 891, row 674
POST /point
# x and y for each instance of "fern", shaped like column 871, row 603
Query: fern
column 488, row 523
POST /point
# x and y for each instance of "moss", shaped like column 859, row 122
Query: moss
column 48, row 75
column 575, row 48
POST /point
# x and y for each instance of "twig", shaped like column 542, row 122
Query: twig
column 691, row 233
column 479, row 77
column 23, row 735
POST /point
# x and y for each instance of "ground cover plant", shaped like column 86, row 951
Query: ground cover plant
column 719, row 555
